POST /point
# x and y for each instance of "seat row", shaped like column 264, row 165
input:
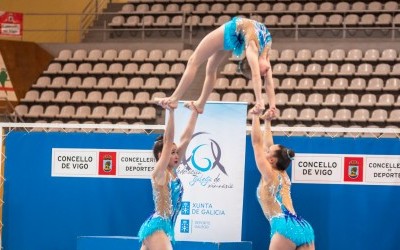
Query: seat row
column 349, row 100
column 85, row 112
column 251, row 6
column 124, row 55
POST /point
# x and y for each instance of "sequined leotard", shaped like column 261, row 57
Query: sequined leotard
column 276, row 203
column 167, row 202
column 239, row 31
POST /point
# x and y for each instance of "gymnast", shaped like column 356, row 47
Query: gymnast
column 288, row 230
column 157, row 231
column 245, row 38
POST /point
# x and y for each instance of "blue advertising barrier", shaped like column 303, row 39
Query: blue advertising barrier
column 47, row 213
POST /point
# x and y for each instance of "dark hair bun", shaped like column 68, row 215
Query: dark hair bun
column 291, row 153
column 160, row 138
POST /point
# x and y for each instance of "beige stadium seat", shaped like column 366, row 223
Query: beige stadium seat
column 375, row 6
column 288, row 84
column 176, row 21
column 214, row 96
column 382, row 69
column 237, row 84
column 172, row 7
column 73, row 83
column 350, row 100
column 79, row 55
column 297, row 99
column 335, row 20
column 131, row 113
column 158, row 7
column 279, row 69
column 77, row 97
column 342, row 115
column 64, row 55
column 326, row 7
column 98, row 112
column 263, row 7
column 273, row 54
column 305, row 84
column 156, row 95
column 53, row 68
column 127, row 9
column 42, row 82
column 171, row 55
column 303, row 20
column 114, row 113
column 310, row 6
column 201, row 8
column 306, row 115
column 324, row 115
column 367, row 20
column 371, row 55
column 351, row 20
column 50, row 112
column 391, row 5
column 364, row 69
column 295, row 7
column 229, row 97
column 337, row 55
column 271, row 20
column 124, row 55
column 318, row 20
column 320, row 55
column 395, row 70
column 347, row 69
column 103, row 83
column 125, row 97
column 147, row 113
column 155, row 55
column 394, row 116
column 132, row 22
column 385, row 100
column 140, row 55
column 66, row 112
column 384, row 20
column 343, row 6
column 314, row 100
column 288, row 114
column 360, row 115
column 221, row 83
column 46, row 96
column 116, row 22
column 216, row 8
column 151, row 83
column 313, row 69
column 84, row 68
column 20, row 110
column 31, row 96
column 222, row 19
column 119, row 83
column 109, row 97
column 248, row 8
column 357, row 84
column 367, row 100
column 161, row 69
column 93, row 97
column 62, row 97
column 392, row 84
column 359, row 6
column 94, row 55
column 303, row 55
column 146, row 69
column 68, row 68
column 168, row 83
column 130, row 68
column 187, row 7
column 332, row 100
column 340, row 84
column 185, row 55
column 141, row 97
column 281, row 99
column 286, row 21
column 375, row 84
column 114, row 69
column 378, row 116
column 330, row 69
column 287, row 55
column 207, row 21
column 177, row 69
column 246, row 97
column 388, row 55
column 88, row 83
column 58, row 82
column 232, row 8
column 142, row 8
column 279, row 7
column 193, row 20
column 34, row 111
column 354, row 55
column 322, row 84
column 135, row 83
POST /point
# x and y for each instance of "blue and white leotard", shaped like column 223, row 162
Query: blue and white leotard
column 239, row 31
column 276, row 203
column 167, row 202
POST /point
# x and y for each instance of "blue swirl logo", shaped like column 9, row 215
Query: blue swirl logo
column 205, row 164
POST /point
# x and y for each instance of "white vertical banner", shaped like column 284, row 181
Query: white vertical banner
column 212, row 173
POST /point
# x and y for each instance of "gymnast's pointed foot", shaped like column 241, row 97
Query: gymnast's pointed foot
column 194, row 106
column 167, row 102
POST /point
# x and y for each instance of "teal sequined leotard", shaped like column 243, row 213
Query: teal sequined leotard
column 276, row 203
column 239, row 31
column 167, row 202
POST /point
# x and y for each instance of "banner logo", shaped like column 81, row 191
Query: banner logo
column 353, row 169
column 213, row 156
column 185, row 210
column 185, row 225
column 107, row 163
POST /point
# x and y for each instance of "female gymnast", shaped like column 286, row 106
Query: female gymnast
column 157, row 231
column 288, row 230
column 242, row 36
